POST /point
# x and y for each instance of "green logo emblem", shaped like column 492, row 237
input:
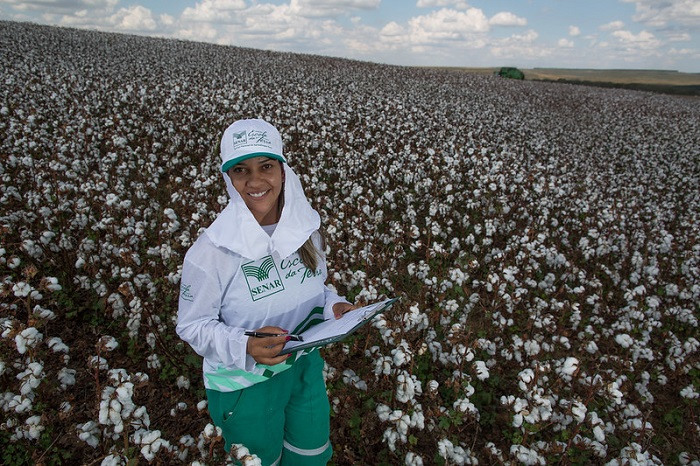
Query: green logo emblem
column 262, row 277
column 262, row 272
column 239, row 138
column 185, row 293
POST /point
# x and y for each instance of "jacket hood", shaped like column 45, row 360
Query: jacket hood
column 236, row 229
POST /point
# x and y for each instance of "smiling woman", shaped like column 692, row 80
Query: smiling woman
column 234, row 285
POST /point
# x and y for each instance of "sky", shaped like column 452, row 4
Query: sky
column 600, row 34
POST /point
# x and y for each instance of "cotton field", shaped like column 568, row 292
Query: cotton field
column 543, row 240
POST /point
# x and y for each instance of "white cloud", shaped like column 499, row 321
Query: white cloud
column 566, row 43
column 574, row 31
column 392, row 29
column 678, row 37
column 520, row 47
column 214, row 11
column 167, row 20
column 612, row 26
column 134, row 18
column 655, row 13
column 643, row 40
column 329, row 8
column 446, row 24
column 60, row 6
column 506, row 18
column 684, row 53
column 460, row 4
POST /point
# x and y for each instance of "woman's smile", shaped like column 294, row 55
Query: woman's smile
column 259, row 195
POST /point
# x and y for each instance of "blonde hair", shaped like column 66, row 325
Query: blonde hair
column 308, row 252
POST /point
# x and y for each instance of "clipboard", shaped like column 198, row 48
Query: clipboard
column 333, row 330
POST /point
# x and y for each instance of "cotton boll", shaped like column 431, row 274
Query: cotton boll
column 624, row 340
column 526, row 376
column 466, row 406
column 202, row 405
column 570, row 366
column 579, row 411
column 183, row 382
column 19, row 404
column 97, row 362
column 349, row 377
column 526, row 456
column 482, row 371
column 21, row 289
column 89, row 433
column 689, row 392
column 107, row 343
column 408, row 386
column 153, row 362
column 66, row 377
column 27, row 338
column 413, row 459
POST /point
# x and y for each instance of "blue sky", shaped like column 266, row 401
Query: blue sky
column 648, row 34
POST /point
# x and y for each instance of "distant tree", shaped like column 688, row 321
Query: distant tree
column 512, row 73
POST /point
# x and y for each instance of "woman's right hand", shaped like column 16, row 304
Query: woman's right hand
column 266, row 350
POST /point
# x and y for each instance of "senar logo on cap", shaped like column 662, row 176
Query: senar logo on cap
column 239, row 139
column 246, row 139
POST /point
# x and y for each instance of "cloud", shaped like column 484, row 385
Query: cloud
column 94, row 14
column 612, row 26
column 506, row 18
column 520, row 47
column 392, row 29
column 329, row 8
column 60, row 6
column 574, row 31
column 134, row 18
column 213, row 11
column 459, row 4
column 678, row 37
column 642, row 38
column 655, row 13
column 446, row 24
column 566, row 43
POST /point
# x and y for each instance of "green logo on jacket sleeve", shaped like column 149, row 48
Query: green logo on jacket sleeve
column 262, row 277
column 185, row 293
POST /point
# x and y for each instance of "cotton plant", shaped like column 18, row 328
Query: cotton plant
column 545, row 257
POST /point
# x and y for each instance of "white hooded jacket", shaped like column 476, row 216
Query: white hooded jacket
column 237, row 277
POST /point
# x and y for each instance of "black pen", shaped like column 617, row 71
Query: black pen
column 291, row 336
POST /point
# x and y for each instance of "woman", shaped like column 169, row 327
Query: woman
column 260, row 267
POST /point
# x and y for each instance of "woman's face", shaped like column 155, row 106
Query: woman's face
column 259, row 182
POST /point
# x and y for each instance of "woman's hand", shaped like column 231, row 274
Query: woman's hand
column 341, row 308
column 266, row 350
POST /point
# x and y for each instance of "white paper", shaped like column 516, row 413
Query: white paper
column 334, row 327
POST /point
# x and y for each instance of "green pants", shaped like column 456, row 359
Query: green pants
column 284, row 420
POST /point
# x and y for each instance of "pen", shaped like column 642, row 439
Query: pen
column 291, row 336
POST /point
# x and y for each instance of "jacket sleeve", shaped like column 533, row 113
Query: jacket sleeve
column 198, row 320
column 331, row 299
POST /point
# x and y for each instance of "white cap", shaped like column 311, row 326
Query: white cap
column 246, row 139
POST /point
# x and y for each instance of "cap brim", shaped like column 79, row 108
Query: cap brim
column 230, row 163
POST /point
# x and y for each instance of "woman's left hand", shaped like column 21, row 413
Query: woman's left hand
column 341, row 308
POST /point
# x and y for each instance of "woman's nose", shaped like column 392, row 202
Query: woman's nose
column 255, row 178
